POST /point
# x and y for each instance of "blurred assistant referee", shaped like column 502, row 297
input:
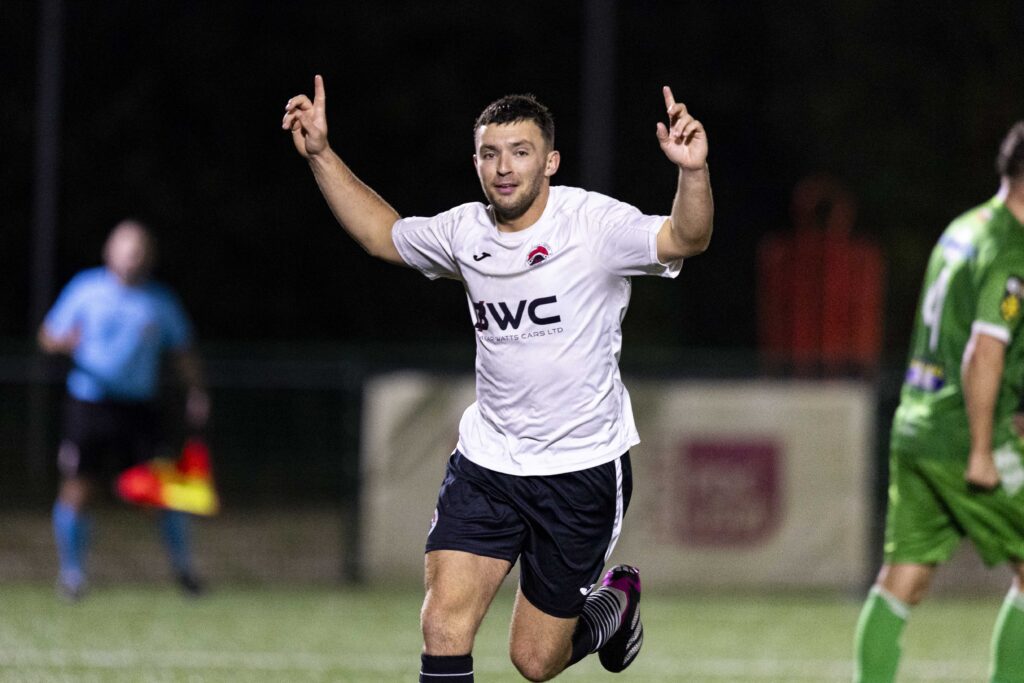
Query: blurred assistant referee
column 541, row 474
column 115, row 324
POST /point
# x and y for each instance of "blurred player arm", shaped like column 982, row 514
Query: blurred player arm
column 358, row 209
column 981, row 372
column 685, row 143
column 53, row 343
column 197, row 401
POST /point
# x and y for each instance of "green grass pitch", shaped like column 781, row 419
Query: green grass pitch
column 146, row 633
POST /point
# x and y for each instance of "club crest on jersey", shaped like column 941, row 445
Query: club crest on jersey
column 1009, row 307
column 538, row 254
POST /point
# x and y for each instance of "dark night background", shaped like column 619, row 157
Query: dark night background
column 172, row 110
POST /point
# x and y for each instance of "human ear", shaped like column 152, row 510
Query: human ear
column 551, row 165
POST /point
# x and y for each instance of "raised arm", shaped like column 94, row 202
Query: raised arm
column 358, row 209
column 981, row 372
column 684, row 142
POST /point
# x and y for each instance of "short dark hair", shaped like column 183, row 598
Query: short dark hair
column 514, row 108
column 1010, row 161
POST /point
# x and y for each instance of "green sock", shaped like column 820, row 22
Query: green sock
column 877, row 644
column 1008, row 640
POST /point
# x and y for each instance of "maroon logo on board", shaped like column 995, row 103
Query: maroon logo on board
column 731, row 492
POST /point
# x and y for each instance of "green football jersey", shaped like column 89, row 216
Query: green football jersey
column 974, row 282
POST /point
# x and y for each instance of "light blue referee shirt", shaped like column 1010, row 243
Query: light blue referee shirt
column 123, row 331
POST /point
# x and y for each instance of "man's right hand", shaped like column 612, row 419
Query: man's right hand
column 308, row 120
column 62, row 345
column 357, row 208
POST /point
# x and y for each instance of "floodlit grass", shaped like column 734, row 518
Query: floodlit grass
column 272, row 634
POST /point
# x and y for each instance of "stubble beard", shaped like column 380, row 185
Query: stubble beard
column 506, row 213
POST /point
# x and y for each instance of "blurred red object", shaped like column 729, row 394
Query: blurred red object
column 185, row 485
column 821, row 288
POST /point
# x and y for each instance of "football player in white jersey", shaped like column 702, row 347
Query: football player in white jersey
column 541, row 474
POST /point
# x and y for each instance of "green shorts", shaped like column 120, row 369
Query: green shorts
column 931, row 508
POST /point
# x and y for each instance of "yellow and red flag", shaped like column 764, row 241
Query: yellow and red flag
column 185, row 485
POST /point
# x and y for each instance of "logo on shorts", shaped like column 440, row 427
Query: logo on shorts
column 1011, row 470
column 433, row 522
column 538, row 254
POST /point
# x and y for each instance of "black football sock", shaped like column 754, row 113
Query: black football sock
column 458, row 669
column 598, row 622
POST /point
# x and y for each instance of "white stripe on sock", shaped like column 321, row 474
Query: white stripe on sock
column 898, row 607
column 1015, row 598
column 602, row 613
column 467, row 673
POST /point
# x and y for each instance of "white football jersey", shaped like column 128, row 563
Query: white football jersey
column 547, row 303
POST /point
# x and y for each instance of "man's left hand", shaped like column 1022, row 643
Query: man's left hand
column 197, row 408
column 683, row 140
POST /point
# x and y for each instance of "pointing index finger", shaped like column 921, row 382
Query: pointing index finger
column 669, row 99
column 319, row 96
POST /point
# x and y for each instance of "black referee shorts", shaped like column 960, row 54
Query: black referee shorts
column 562, row 526
column 106, row 437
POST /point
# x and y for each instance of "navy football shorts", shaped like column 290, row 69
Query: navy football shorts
column 106, row 437
column 563, row 526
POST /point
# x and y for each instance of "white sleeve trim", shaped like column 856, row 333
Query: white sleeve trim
column 671, row 267
column 990, row 330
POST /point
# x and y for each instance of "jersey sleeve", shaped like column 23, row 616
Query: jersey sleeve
column 426, row 244
column 63, row 317
column 1001, row 297
column 627, row 240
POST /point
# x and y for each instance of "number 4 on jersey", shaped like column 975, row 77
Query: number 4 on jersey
column 931, row 309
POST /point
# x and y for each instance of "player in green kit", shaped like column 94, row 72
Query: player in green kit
column 955, row 461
